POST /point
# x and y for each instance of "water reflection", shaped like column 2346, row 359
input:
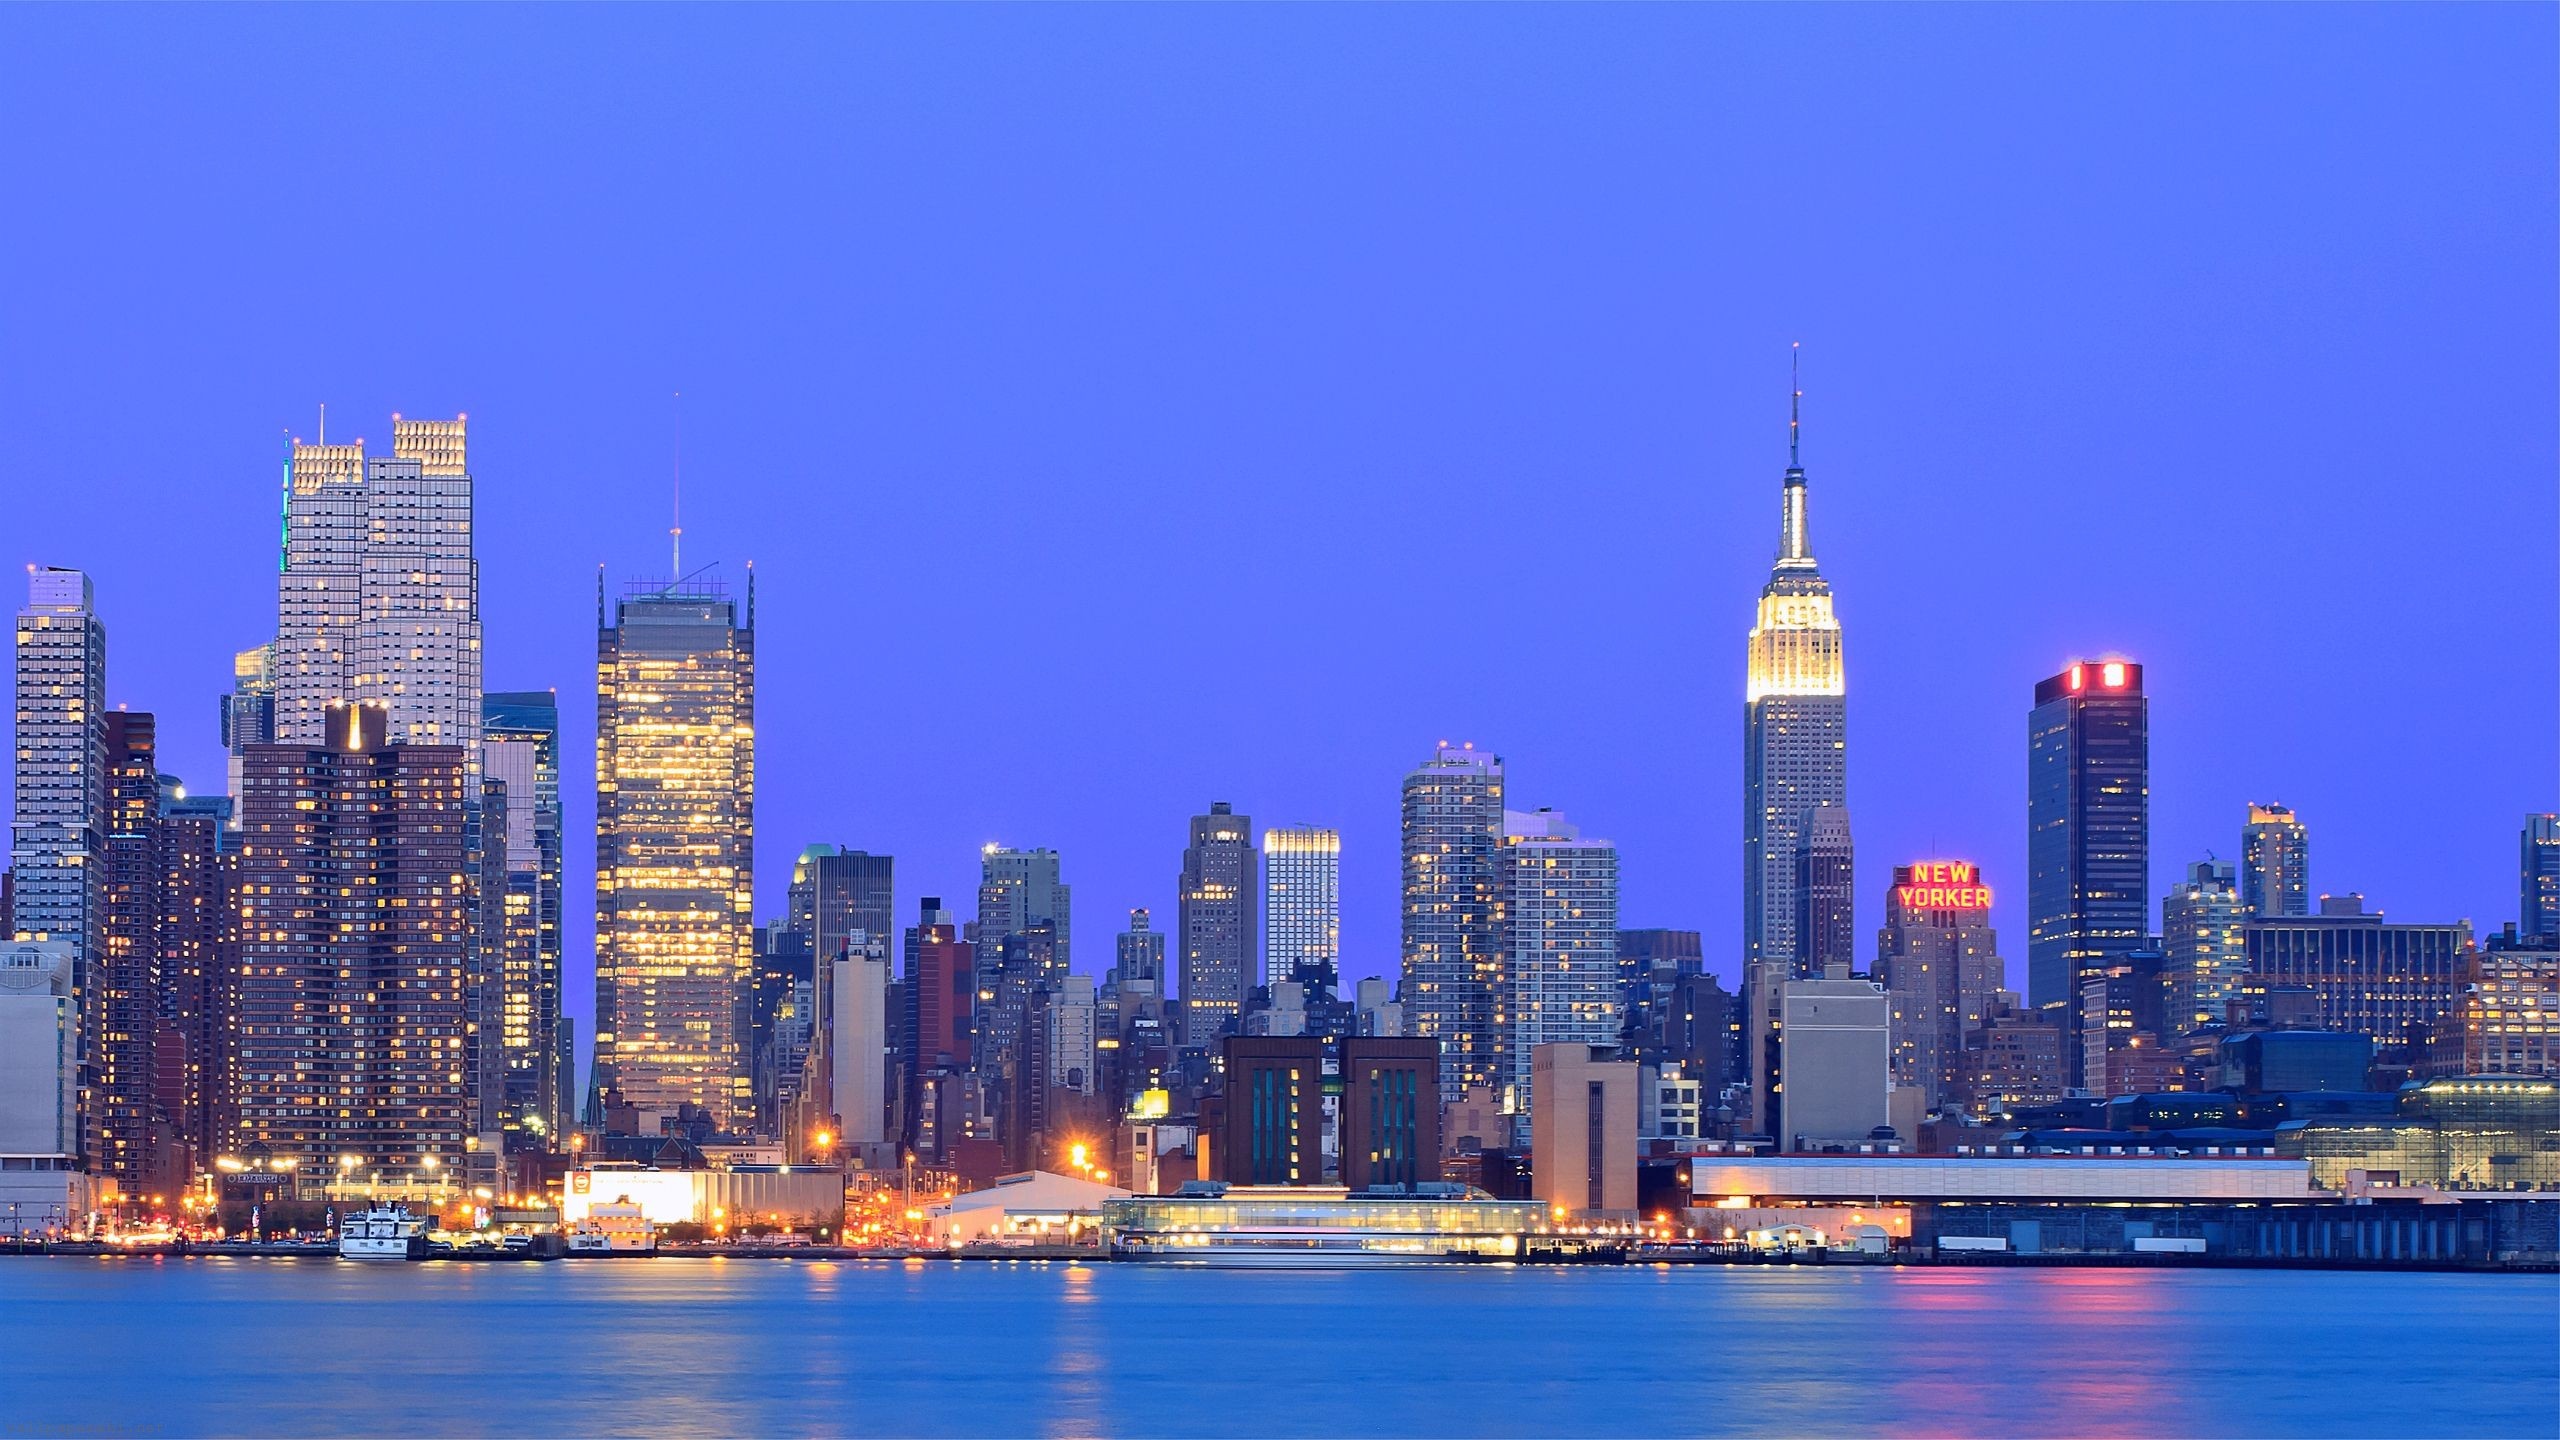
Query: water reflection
column 678, row 1348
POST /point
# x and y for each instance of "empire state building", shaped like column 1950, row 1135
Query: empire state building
column 1795, row 759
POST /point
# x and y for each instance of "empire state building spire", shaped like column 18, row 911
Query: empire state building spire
column 1795, row 549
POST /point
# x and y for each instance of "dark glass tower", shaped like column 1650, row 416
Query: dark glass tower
column 2088, row 832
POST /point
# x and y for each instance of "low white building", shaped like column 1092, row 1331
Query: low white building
column 1033, row 1207
column 1887, row 1179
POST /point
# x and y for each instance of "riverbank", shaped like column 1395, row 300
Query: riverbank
column 1668, row 1255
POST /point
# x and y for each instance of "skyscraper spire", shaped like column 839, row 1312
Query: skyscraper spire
column 1795, row 403
column 1794, row 548
column 675, row 526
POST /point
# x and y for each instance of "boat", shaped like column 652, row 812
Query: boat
column 618, row 1228
column 385, row 1232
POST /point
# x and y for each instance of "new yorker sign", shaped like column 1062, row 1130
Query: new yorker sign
column 1940, row 885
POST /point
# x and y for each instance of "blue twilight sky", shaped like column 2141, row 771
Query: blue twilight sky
column 1136, row 407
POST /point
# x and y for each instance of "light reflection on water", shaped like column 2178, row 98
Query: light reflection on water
column 787, row 1347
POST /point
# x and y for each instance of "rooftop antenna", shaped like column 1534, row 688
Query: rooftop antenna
column 324, row 422
column 1795, row 402
column 675, row 531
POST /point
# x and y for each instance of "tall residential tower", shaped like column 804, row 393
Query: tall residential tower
column 1452, row 903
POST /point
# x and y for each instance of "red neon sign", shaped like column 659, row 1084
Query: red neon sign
column 1941, row 885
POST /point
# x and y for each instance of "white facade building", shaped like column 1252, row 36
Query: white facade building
column 379, row 595
column 57, row 831
column 1072, row 1033
column 1559, row 907
column 858, row 1040
column 1302, row 906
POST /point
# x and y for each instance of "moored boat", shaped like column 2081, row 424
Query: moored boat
column 616, row 1229
column 385, row 1232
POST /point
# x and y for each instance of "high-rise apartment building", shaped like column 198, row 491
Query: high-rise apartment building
column 129, row 970
column 1795, row 731
column 1939, row 960
column 939, row 994
column 857, row 1042
column 2539, row 915
column 1017, row 890
column 1559, row 908
column 1218, row 892
column 356, row 912
column 2088, row 832
column 1302, row 907
column 2275, row 863
column 199, row 974
column 675, row 846
column 2202, row 924
column 1452, row 964
column 520, row 748
column 58, row 822
column 378, row 596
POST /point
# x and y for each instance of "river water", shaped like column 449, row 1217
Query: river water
column 675, row 1347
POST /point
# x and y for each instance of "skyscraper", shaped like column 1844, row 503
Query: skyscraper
column 1939, row 959
column 1795, row 725
column 1216, row 896
column 1452, row 835
column 1018, row 889
column 2539, row 915
column 199, row 972
column 1302, row 907
column 356, row 914
column 520, row 746
column 675, row 845
column 1560, row 943
column 129, row 972
column 248, row 711
column 835, row 892
column 58, row 825
column 1826, row 903
column 378, row 596
column 2088, row 833
column 2201, row 936
column 2275, row 863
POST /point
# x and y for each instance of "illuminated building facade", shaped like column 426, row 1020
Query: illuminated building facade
column 520, row 747
column 198, row 843
column 378, row 597
column 1560, row 941
column 1939, row 959
column 2202, row 924
column 1017, row 890
column 356, row 912
column 58, row 821
column 129, row 973
column 1452, row 960
column 1795, row 725
column 675, row 847
column 2507, row 1021
column 2088, row 833
column 1795, row 762
column 1217, row 894
column 2365, row 977
column 248, row 711
column 2539, row 916
column 1302, row 907
column 2275, row 863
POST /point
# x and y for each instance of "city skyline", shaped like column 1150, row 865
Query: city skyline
column 1936, row 444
